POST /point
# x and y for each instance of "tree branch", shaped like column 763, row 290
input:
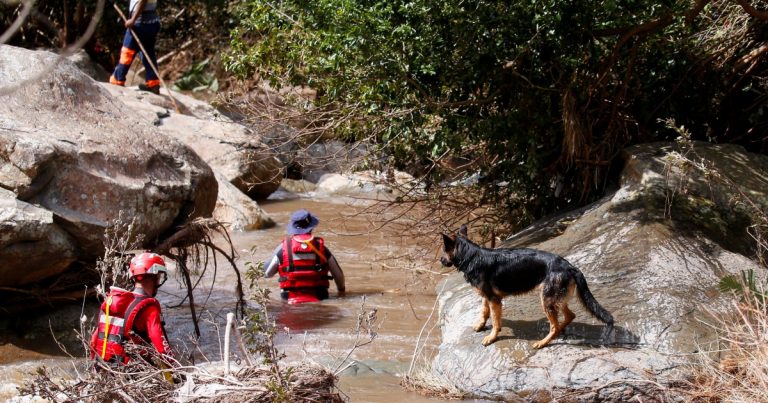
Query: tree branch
column 763, row 15
column 694, row 11
column 752, row 56
column 642, row 29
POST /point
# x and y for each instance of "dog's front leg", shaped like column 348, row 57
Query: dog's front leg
column 486, row 311
column 495, row 306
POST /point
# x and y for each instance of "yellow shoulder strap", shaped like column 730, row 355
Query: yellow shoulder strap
column 317, row 252
column 106, row 329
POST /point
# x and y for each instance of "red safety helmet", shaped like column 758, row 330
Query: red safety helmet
column 148, row 264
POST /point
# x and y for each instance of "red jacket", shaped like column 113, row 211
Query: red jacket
column 128, row 316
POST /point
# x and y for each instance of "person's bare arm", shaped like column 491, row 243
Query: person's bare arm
column 273, row 263
column 338, row 274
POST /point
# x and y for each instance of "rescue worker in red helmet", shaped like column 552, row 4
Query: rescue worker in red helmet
column 304, row 262
column 133, row 316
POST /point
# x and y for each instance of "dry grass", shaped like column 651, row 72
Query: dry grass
column 737, row 372
column 427, row 384
column 142, row 382
column 737, row 369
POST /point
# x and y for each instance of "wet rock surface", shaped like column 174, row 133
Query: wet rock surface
column 657, row 279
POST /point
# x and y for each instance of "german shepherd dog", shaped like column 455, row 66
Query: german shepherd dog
column 497, row 273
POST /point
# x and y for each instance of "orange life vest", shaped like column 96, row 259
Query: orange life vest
column 303, row 263
column 116, row 319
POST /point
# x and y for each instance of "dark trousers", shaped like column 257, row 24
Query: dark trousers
column 147, row 34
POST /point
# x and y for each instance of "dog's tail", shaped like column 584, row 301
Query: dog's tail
column 589, row 300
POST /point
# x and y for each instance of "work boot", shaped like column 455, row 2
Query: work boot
column 155, row 90
column 115, row 81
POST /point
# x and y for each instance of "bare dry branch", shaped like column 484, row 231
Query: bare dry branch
column 761, row 14
column 68, row 51
column 20, row 19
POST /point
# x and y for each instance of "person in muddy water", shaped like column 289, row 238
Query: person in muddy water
column 304, row 263
column 133, row 316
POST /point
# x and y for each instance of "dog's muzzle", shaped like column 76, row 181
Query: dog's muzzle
column 446, row 261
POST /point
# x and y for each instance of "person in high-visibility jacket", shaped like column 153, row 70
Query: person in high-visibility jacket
column 132, row 316
column 145, row 23
column 304, row 262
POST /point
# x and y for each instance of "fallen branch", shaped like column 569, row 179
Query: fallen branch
column 193, row 244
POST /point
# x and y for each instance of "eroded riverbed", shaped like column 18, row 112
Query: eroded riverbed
column 382, row 276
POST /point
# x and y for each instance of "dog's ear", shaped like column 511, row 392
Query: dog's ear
column 448, row 242
column 463, row 230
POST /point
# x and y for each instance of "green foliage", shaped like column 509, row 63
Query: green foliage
column 487, row 81
column 260, row 333
column 197, row 78
column 746, row 287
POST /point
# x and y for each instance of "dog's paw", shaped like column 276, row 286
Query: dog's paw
column 489, row 339
column 539, row 344
column 479, row 327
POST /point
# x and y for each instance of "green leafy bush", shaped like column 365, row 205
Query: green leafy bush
column 197, row 78
column 539, row 96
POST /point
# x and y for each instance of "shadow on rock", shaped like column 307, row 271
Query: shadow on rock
column 47, row 334
column 575, row 334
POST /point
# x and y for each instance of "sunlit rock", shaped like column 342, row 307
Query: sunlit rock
column 237, row 211
column 230, row 148
column 366, row 183
column 658, row 275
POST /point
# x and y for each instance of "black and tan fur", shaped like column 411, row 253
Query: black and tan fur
column 497, row 273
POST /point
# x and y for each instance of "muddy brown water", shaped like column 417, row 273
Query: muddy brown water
column 402, row 295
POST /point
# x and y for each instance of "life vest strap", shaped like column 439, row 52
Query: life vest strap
column 106, row 328
column 116, row 338
column 319, row 255
column 283, row 279
column 288, row 250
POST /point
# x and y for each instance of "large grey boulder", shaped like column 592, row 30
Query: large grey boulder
column 237, row 211
column 31, row 244
column 84, row 62
column 234, row 150
column 657, row 274
column 317, row 159
column 69, row 147
column 309, row 157
column 701, row 200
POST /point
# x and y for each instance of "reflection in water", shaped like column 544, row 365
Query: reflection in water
column 303, row 317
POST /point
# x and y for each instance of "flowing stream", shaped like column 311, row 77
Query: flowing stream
column 327, row 332
column 401, row 296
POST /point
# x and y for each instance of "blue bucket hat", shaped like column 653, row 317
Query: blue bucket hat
column 302, row 222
